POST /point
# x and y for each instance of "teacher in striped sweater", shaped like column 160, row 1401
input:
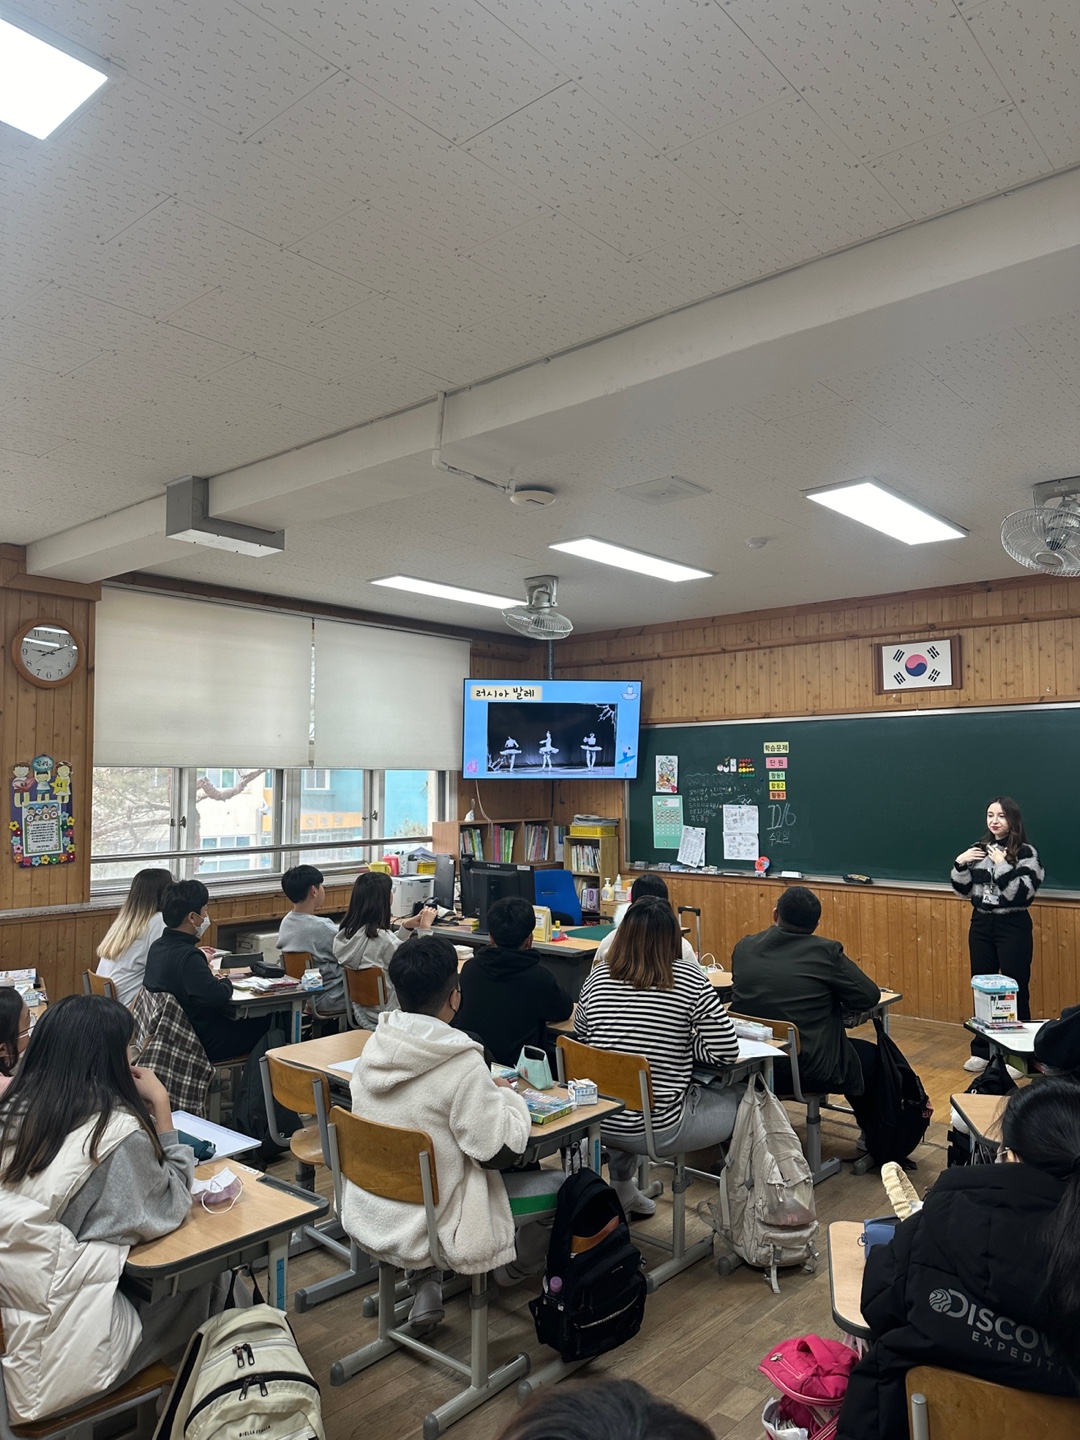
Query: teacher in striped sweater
column 999, row 874
column 643, row 997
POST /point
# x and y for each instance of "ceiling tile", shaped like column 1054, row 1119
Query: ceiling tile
column 256, row 381
column 211, row 55
column 1057, row 343
column 978, row 159
column 352, row 138
column 386, row 256
column 567, row 152
column 452, row 65
column 149, row 138
column 791, row 181
column 671, row 70
column 55, row 354
column 729, row 254
column 1035, row 48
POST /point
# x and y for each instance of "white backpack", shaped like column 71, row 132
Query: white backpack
column 770, row 1218
column 243, row 1378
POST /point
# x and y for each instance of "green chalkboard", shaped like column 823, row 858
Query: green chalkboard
column 892, row 796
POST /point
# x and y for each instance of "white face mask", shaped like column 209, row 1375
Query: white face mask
column 202, row 927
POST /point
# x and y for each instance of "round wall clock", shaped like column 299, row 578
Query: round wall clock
column 47, row 653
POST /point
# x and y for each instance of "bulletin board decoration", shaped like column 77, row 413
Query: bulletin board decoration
column 42, row 825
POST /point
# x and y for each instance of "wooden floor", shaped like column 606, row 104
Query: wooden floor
column 703, row 1335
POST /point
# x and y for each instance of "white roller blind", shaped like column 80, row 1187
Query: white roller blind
column 184, row 682
column 385, row 699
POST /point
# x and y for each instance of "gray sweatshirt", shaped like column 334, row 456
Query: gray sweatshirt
column 364, row 952
column 133, row 1196
column 315, row 934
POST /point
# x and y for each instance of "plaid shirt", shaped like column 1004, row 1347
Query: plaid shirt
column 165, row 1043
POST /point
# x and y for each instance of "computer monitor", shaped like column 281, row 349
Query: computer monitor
column 485, row 881
column 443, row 889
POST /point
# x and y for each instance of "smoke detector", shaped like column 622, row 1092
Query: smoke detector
column 532, row 495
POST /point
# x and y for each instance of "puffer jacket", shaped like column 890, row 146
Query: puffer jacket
column 420, row 1074
column 68, row 1332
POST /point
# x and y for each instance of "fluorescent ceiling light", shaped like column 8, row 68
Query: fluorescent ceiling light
column 590, row 549
column 446, row 592
column 40, row 86
column 874, row 504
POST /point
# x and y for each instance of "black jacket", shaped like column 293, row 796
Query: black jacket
column 962, row 1285
column 173, row 964
column 1057, row 1043
column 786, row 975
column 506, row 999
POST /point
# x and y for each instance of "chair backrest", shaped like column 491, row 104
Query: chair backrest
column 556, row 890
column 294, row 1087
column 295, row 963
column 98, row 985
column 384, row 1159
column 781, row 1029
column 366, row 987
column 960, row 1407
column 618, row 1075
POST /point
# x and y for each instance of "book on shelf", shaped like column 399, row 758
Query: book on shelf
column 585, row 857
column 472, row 841
column 502, row 843
column 536, row 843
column 561, row 832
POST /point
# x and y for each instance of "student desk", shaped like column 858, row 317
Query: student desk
column 323, row 1054
column 256, row 1228
column 248, row 1004
column 880, row 1011
column 982, row 1116
column 753, row 1056
column 1010, row 1042
column 568, row 960
column 846, row 1261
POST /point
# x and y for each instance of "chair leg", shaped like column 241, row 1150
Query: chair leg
column 819, row 1170
column 362, row 1271
column 345, row 1369
column 484, row 1383
column 681, row 1257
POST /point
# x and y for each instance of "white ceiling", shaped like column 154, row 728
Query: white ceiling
column 288, row 217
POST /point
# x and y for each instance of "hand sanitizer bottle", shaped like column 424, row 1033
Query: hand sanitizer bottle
column 607, row 893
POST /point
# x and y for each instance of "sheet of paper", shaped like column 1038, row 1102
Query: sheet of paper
column 755, row 1049
column 345, row 1066
column 692, row 845
column 667, row 821
column 667, row 774
column 741, row 817
column 740, row 845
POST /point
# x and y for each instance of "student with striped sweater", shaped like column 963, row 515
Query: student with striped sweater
column 643, row 997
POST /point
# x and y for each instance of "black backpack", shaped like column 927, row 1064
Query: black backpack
column 994, row 1080
column 594, row 1291
column 894, row 1110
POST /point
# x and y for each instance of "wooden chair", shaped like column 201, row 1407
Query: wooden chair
column 366, row 988
column 625, row 1077
column 947, row 1405
column 399, row 1165
column 137, row 1399
column 814, row 1102
column 295, row 963
column 306, row 1092
column 93, row 984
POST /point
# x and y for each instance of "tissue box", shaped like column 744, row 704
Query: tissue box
column 995, row 997
column 582, row 1092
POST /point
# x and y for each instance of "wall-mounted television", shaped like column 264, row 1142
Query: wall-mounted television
column 551, row 729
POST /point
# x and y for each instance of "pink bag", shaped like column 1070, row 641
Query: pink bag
column 812, row 1375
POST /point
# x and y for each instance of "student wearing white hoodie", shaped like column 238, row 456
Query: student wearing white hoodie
column 419, row 1073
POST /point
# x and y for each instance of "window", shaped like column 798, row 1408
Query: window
column 193, row 818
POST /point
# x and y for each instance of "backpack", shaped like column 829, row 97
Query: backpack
column 994, row 1080
column 242, row 1375
column 894, row 1110
column 594, row 1290
column 770, row 1218
column 812, row 1376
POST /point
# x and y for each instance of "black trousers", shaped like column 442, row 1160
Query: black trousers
column 1001, row 945
column 867, row 1052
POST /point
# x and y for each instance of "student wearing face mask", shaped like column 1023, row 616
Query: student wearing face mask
column 176, row 965
column 999, row 874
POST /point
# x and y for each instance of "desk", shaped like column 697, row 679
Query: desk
column 248, row 1004
column 256, row 1228
column 846, row 1261
column 323, row 1054
column 584, row 1121
column 568, row 960
column 878, row 1011
column 982, row 1116
column 722, row 981
column 1010, row 1042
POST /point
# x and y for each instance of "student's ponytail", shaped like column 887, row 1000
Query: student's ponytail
column 1041, row 1127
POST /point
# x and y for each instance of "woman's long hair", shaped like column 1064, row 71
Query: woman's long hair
column 1017, row 835
column 142, row 904
column 75, row 1068
column 646, row 946
column 11, row 1008
column 1041, row 1126
column 369, row 905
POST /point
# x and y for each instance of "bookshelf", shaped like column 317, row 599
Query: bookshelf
column 509, row 841
column 591, row 854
